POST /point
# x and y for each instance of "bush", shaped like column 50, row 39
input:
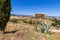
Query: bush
column 53, row 24
column 31, row 22
column 24, row 21
column 13, row 20
column 57, row 22
column 38, row 22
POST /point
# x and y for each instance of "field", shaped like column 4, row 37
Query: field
column 26, row 30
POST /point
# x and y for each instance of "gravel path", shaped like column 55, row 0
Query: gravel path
column 54, row 30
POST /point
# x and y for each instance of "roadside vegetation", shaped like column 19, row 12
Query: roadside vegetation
column 56, row 22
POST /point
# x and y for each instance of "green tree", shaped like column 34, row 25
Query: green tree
column 5, row 8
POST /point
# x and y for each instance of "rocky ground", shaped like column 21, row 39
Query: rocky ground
column 23, row 32
column 26, row 32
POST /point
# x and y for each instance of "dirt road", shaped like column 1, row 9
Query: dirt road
column 54, row 30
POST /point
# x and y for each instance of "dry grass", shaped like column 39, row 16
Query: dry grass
column 26, row 32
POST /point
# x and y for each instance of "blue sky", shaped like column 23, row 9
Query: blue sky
column 30, row 7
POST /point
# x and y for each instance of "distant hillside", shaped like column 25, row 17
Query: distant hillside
column 22, row 15
column 51, row 17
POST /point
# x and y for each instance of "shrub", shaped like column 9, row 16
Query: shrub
column 53, row 24
column 31, row 22
column 24, row 21
column 13, row 20
column 57, row 22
